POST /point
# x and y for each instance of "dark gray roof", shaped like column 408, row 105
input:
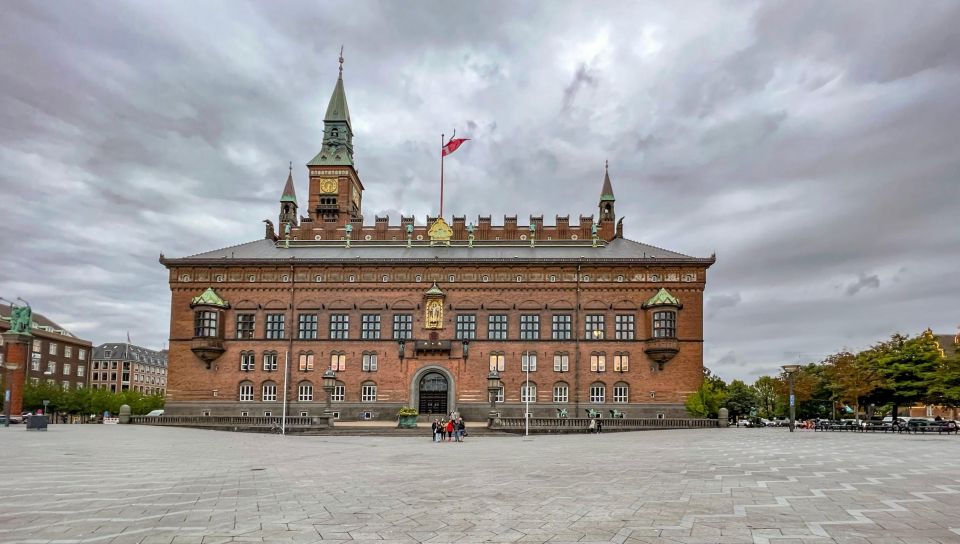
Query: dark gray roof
column 40, row 322
column 122, row 351
column 619, row 249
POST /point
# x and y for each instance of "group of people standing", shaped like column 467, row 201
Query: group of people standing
column 449, row 430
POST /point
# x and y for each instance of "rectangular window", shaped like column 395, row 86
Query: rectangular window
column 497, row 327
column 498, row 396
column 275, row 324
column 80, row 370
column 369, row 362
column 65, row 384
column 466, row 327
column 269, row 392
column 561, row 393
column 270, row 361
column 38, row 349
column 337, row 394
column 51, row 367
column 306, row 362
column 246, row 392
column 561, row 362
column 338, row 361
column 598, row 362
column 247, row 361
column 530, row 327
column 528, row 393
column 621, row 362
column 625, row 327
column 246, row 324
column 205, row 324
column 598, row 393
column 528, row 361
column 307, row 329
column 35, row 365
column 82, row 354
column 79, row 385
column 368, row 393
column 53, row 348
column 562, row 326
column 339, row 326
column 593, row 327
column 402, row 326
column 620, row 393
column 370, row 326
column 305, row 392
column 68, row 351
column 664, row 324
column 66, row 369
column 497, row 362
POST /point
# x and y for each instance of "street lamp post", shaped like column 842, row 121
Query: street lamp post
column 791, row 370
column 329, row 384
column 526, row 391
column 493, row 386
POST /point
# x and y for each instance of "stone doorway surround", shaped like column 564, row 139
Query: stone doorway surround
column 451, row 386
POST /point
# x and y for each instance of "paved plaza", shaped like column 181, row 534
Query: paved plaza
column 133, row 484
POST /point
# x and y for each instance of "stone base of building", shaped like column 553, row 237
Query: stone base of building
column 388, row 411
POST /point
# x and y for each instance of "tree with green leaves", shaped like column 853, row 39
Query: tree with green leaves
column 740, row 399
column 853, row 377
column 708, row 398
column 909, row 367
column 765, row 390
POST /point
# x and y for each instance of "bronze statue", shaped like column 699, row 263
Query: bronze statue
column 21, row 319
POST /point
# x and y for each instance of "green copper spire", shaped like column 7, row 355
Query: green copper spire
column 209, row 298
column 435, row 291
column 337, row 134
column 662, row 298
column 607, row 192
column 289, row 193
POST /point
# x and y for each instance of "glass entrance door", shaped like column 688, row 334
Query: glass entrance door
column 433, row 394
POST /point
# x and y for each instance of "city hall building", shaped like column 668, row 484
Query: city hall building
column 569, row 315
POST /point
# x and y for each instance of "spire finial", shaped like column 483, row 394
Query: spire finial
column 341, row 60
column 291, row 168
column 606, row 165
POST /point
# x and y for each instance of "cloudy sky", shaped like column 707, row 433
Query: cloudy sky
column 813, row 147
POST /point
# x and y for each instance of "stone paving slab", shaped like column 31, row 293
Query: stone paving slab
column 162, row 485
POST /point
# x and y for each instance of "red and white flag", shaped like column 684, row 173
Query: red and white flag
column 452, row 146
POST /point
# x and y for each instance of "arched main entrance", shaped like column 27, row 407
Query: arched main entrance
column 433, row 389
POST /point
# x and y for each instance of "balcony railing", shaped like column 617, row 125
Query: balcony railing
column 579, row 424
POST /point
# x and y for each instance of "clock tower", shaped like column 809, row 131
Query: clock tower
column 335, row 187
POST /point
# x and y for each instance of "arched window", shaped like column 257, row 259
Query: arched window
column 306, row 361
column 305, row 392
column 248, row 361
column 246, row 391
column 338, row 361
column 369, row 361
column 368, row 392
column 665, row 324
column 621, row 392
column 598, row 393
column 269, row 392
column 528, row 392
column 561, row 392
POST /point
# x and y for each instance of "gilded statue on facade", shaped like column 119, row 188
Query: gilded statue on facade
column 434, row 314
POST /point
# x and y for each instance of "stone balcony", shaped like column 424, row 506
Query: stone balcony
column 662, row 350
column 207, row 350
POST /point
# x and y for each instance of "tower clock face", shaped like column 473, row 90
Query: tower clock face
column 328, row 185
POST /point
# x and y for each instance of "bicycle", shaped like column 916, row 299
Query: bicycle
column 276, row 428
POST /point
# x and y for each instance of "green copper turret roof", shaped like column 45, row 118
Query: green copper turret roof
column 209, row 298
column 434, row 291
column 289, row 193
column 337, row 109
column 662, row 298
column 607, row 192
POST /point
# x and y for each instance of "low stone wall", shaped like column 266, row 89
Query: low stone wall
column 582, row 424
column 239, row 423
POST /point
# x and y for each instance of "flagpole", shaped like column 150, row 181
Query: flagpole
column 441, row 174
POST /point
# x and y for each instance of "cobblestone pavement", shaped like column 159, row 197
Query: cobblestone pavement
column 129, row 484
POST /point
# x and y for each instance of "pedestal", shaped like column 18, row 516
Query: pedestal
column 16, row 356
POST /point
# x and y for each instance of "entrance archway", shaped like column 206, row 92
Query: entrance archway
column 433, row 389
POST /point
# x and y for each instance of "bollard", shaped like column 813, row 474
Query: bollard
column 125, row 413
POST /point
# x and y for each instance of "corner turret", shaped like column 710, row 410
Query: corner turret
column 607, row 200
column 288, row 203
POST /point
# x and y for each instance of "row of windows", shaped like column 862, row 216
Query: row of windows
column 664, row 326
column 53, row 349
column 65, row 385
column 52, row 368
column 561, row 362
column 368, row 392
column 305, row 361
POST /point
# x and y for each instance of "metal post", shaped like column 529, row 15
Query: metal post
column 283, row 418
column 792, row 407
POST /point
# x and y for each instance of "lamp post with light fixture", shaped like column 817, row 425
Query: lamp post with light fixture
column 493, row 387
column 329, row 384
column 791, row 370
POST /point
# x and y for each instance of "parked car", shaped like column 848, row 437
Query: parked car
column 155, row 413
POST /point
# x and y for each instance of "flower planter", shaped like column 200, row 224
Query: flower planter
column 407, row 422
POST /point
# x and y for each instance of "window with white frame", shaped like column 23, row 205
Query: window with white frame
column 530, row 327
column 561, row 362
column 339, row 326
column 338, row 361
column 53, row 348
column 497, row 362
column 598, row 362
column 246, row 392
column 269, row 392
column 498, row 395
column 562, row 326
column 625, row 327
column 275, row 326
column 528, row 392
column 35, row 365
column 65, row 384
column 338, row 393
column 248, row 361
column 270, row 361
column 598, row 393
column 368, row 392
column 561, row 392
column 80, row 370
column 370, row 326
column 68, row 351
column 306, row 361
column 369, row 362
column 528, row 361
column 66, row 369
column 305, row 392
column 497, row 327
column 51, row 367
column 82, row 354
column 402, row 326
column 621, row 362
column 621, row 393
column 38, row 349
